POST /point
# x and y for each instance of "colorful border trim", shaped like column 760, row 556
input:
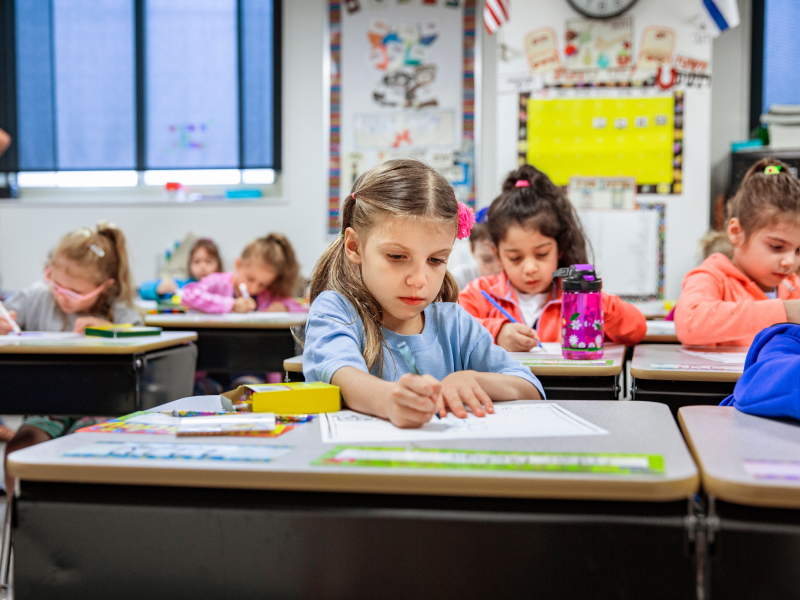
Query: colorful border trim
column 661, row 209
column 676, row 187
column 334, row 148
column 492, row 460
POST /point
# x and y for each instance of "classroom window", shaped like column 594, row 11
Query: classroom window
column 141, row 85
column 781, row 49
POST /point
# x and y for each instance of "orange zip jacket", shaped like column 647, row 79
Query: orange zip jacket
column 721, row 306
column 623, row 322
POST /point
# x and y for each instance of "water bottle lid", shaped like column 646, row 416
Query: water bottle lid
column 579, row 278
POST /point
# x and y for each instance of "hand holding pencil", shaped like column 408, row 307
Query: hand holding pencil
column 514, row 336
column 8, row 321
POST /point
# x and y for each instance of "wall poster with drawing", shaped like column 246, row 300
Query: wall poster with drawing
column 397, row 89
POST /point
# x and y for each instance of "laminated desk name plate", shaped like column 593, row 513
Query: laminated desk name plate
column 121, row 331
column 289, row 398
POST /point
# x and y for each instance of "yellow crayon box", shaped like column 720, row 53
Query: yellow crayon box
column 289, row 398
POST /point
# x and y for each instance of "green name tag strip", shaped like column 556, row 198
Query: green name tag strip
column 434, row 458
column 541, row 362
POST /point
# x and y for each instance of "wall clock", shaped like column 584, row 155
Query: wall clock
column 601, row 9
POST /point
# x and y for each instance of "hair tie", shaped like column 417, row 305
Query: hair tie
column 97, row 250
column 522, row 183
column 466, row 220
column 353, row 195
column 773, row 170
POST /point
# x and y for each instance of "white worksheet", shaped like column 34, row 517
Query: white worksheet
column 542, row 419
column 729, row 358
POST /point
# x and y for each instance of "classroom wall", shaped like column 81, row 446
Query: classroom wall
column 27, row 231
column 730, row 96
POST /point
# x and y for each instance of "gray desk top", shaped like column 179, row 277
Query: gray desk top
column 646, row 355
column 254, row 320
column 540, row 364
column 634, row 428
column 726, row 443
column 69, row 343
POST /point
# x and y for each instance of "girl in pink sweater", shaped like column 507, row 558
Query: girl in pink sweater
column 267, row 268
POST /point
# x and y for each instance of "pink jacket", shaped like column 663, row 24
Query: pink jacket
column 721, row 306
column 214, row 294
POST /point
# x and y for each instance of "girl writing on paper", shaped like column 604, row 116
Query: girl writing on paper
column 383, row 287
column 535, row 231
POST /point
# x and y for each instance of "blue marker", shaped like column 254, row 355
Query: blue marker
column 411, row 364
column 494, row 303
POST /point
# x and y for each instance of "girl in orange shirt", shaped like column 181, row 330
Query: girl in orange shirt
column 727, row 301
column 536, row 231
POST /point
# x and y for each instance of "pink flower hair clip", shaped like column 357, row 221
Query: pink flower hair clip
column 466, row 220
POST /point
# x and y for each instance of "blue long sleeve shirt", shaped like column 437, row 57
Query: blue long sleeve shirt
column 451, row 340
column 770, row 385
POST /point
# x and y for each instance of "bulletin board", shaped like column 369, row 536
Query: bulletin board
column 402, row 84
column 652, row 61
column 607, row 134
column 631, row 266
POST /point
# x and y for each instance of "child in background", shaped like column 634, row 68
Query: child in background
column 536, row 231
column 269, row 270
column 727, row 301
column 382, row 285
column 204, row 259
column 86, row 283
column 482, row 250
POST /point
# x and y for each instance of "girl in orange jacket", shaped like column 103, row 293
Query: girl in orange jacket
column 536, row 231
column 727, row 301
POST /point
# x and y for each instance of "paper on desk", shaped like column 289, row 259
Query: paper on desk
column 729, row 358
column 40, row 336
column 661, row 327
column 542, row 419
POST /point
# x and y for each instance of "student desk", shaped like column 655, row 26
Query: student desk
column 237, row 343
column 750, row 469
column 562, row 380
column 71, row 374
column 652, row 309
column 217, row 529
column 682, row 382
column 660, row 332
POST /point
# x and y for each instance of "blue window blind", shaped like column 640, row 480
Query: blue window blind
column 781, row 49
column 204, row 96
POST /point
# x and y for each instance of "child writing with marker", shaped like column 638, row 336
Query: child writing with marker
column 727, row 301
column 86, row 283
column 265, row 279
column 383, row 288
column 204, row 259
column 536, row 231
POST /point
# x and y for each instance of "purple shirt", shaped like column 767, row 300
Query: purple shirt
column 214, row 294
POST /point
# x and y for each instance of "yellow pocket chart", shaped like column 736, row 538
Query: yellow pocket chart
column 603, row 137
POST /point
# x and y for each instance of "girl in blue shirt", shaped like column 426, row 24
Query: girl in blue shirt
column 384, row 282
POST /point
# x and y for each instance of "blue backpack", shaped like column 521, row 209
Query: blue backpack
column 770, row 385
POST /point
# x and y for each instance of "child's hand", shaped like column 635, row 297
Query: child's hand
column 516, row 337
column 167, row 286
column 244, row 305
column 792, row 310
column 412, row 402
column 82, row 323
column 5, row 326
column 462, row 388
column 276, row 307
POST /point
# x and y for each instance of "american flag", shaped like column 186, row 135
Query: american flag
column 495, row 13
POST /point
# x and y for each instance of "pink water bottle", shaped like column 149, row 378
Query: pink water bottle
column 581, row 312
